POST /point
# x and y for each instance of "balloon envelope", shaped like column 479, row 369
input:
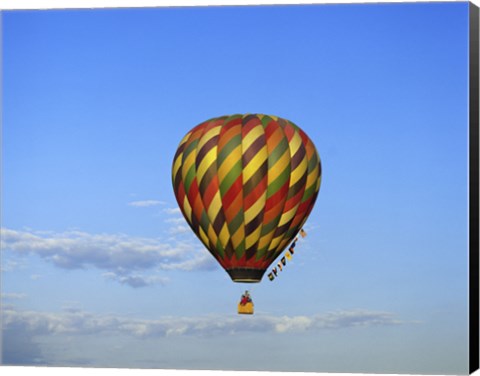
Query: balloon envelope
column 246, row 185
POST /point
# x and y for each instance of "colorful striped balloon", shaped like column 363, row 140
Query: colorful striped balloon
column 246, row 185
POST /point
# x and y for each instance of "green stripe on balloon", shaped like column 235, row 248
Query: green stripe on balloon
column 231, row 177
column 279, row 182
column 228, row 148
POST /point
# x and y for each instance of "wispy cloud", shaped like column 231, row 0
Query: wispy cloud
column 179, row 229
column 123, row 255
column 11, row 265
column 136, row 280
column 81, row 322
column 71, row 306
column 146, row 203
column 172, row 211
column 13, row 295
column 34, row 337
column 175, row 220
column 178, row 224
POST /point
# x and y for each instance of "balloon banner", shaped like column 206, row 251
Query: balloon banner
column 288, row 256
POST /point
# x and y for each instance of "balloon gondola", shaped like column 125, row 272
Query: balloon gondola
column 245, row 306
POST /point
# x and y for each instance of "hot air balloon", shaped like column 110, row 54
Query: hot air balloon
column 246, row 185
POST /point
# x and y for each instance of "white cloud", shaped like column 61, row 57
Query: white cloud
column 120, row 254
column 34, row 337
column 71, row 306
column 179, row 229
column 202, row 261
column 136, row 280
column 172, row 211
column 178, row 224
column 13, row 296
column 298, row 323
column 176, row 220
column 11, row 265
column 357, row 318
column 81, row 322
column 146, row 203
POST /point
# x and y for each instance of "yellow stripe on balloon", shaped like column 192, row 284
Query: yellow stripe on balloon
column 187, row 163
column 211, row 234
column 251, row 239
column 187, row 209
column 206, row 162
column 213, row 210
column 255, row 209
column 250, row 214
column 279, row 166
column 177, row 164
column 231, row 160
column 287, row 216
column 252, row 136
column 238, row 236
column 203, row 236
column 312, row 178
column 265, row 240
column 252, row 167
column 224, row 235
column 295, row 143
column 215, row 131
column 215, row 207
column 275, row 242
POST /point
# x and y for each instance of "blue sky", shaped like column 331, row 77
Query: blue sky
column 95, row 103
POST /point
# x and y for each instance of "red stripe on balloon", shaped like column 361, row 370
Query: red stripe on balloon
column 235, row 190
column 254, row 195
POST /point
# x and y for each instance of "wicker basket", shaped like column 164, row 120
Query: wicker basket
column 245, row 309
